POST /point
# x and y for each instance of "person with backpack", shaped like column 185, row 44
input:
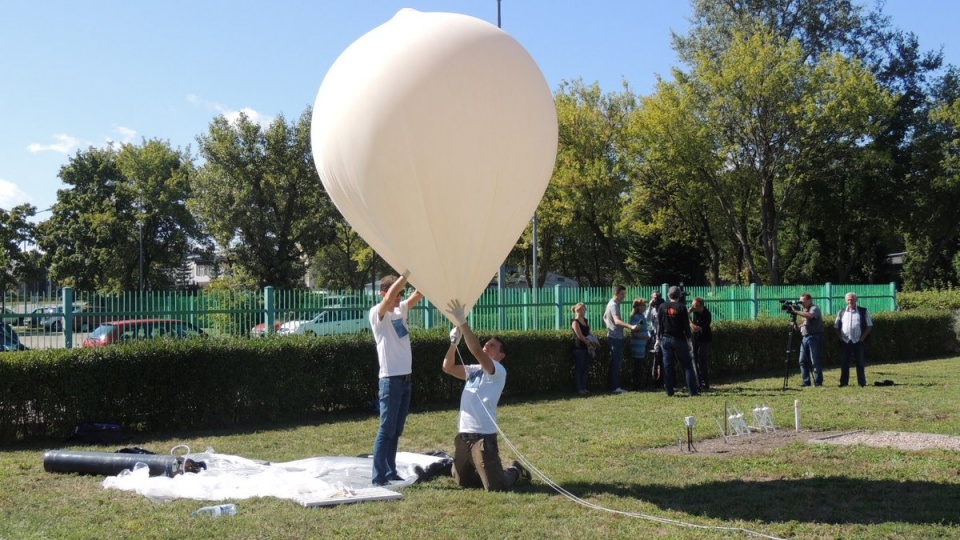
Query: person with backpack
column 853, row 327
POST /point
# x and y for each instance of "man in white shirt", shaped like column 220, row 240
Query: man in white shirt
column 388, row 322
column 476, row 458
column 853, row 327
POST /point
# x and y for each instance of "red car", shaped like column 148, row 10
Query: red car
column 260, row 330
column 124, row 331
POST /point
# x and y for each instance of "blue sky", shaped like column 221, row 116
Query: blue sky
column 75, row 74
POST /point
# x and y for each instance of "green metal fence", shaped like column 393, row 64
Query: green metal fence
column 65, row 320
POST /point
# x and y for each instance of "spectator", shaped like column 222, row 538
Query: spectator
column 583, row 347
column 639, row 338
column 853, row 326
column 656, row 367
column 388, row 321
column 476, row 458
column 674, row 333
column 615, row 326
column 700, row 319
column 811, row 342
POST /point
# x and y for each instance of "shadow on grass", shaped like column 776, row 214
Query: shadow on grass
column 834, row 500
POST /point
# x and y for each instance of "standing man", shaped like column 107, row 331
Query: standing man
column 388, row 321
column 700, row 319
column 674, row 332
column 615, row 325
column 811, row 342
column 853, row 326
column 476, row 456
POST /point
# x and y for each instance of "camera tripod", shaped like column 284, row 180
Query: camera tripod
column 790, row 351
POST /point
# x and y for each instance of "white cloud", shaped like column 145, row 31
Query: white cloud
column 230, row 114
column 11, row 195
column 126, row 136
column 257, row 118
column 64, row 145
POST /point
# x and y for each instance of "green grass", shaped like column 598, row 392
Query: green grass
column 595, row 448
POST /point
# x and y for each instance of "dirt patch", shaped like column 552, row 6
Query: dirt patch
column 758, row 443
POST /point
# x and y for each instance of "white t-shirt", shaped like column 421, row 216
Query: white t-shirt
column 393, row 340
column 481, row 391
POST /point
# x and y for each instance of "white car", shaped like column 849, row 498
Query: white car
column 328, row 322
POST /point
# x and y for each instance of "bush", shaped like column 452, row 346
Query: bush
column 164, row 385
column 947, row 299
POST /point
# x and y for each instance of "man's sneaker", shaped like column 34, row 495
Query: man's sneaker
column 524, row 474
column 619, row 391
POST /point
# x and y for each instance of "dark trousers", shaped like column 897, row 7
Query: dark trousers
column 476, row 463
column 676, row 350
column 701, row 356
column 858, row 351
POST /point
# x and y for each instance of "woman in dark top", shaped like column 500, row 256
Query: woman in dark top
column 582, row 347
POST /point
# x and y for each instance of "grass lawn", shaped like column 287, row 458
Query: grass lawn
column 595, row 447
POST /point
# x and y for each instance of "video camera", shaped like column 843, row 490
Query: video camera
column 790, row 306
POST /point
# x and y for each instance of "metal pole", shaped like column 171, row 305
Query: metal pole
column 140, row 226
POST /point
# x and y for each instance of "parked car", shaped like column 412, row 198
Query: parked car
column 9, row 340
column 33, row 319
column 12, row 318
column 83, row 321
column 47, row 318
column 260, row 330
column 123, row 331
column 328, row 322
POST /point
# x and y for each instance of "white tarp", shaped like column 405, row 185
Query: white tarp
column 229, row 477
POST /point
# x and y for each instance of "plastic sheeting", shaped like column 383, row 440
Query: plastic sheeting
column 234, row 477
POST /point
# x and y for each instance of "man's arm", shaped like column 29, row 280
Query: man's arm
column 414, row 298
column 390, row 298
column 869, row 325
column 617, row 321
column 450, row 365
column 456, row 311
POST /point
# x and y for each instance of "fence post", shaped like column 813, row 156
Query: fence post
column 427, row 315
column 559, row 303
column 754, row 302
column 270, row 309
column 829, row 288
column 67, row 307
column 893, row 296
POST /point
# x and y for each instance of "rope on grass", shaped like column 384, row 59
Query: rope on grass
column 563, row 491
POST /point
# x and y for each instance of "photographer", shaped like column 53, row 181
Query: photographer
column 811, row 344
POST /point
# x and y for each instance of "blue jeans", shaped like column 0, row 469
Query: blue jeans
column 581, row 361
column 394, row 405
column 676, row 349
column 858, row 351
column 811, row 348
column 616, row 362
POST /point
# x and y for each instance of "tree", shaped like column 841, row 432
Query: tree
column 259, row 196
column 579, row 218
column 763, row 120
column 346, row 262
column 125, row 209
column 15, row 231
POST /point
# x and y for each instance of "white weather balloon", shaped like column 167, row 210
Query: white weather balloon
column 435, row 134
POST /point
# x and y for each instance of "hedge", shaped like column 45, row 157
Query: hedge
column 212, row 383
